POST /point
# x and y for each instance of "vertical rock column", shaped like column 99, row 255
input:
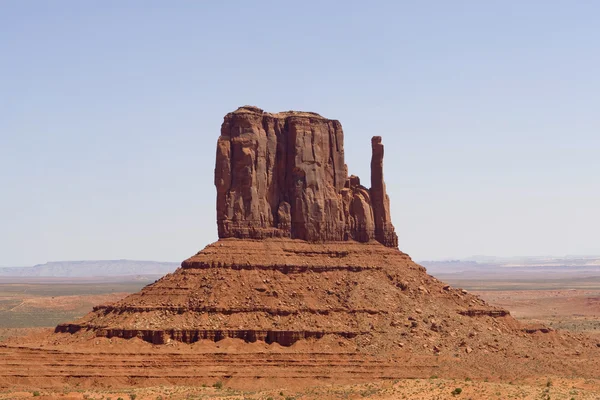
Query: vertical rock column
column 317, row 170
column 380, row 201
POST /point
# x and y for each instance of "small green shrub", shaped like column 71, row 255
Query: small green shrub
column 456, row 391
column 36, row 394
column 218, row 385
column 132, row 396
column 269, row 398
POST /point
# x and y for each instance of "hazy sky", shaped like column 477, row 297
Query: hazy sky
column 110, row 112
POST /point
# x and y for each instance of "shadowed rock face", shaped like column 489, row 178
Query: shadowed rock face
column 284, row 175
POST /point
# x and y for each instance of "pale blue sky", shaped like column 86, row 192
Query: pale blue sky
column 110, row 112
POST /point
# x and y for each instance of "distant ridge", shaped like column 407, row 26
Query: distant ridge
column 512, row 265
column 569, row 272
column 86, row 269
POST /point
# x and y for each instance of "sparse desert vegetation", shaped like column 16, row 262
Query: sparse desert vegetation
column 564, row 389
column 27, row 303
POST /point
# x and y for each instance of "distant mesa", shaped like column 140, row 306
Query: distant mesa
column 284, row 175
column 90, row 269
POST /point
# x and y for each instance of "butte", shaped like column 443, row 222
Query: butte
column 305, row 251
column 305, row 281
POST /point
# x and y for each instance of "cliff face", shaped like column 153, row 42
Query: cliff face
column 284, row 175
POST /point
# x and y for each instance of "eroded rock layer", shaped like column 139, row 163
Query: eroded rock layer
column 284, row 290
column 284, row 175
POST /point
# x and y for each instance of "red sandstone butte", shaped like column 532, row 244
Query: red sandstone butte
column 284, row 175
column 343, row 304
column 304, row 251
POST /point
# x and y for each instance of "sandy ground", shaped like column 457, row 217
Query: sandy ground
column 431, row 388
column 572, row 310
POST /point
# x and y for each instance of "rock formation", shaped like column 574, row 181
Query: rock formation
column 284, row 175
column 305, row 281
column 280, row 290
column 304, row 251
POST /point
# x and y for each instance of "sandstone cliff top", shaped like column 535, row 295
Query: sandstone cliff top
column 279, row 115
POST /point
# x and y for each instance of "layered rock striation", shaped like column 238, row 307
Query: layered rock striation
column 280, row 290
column 284, row 175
